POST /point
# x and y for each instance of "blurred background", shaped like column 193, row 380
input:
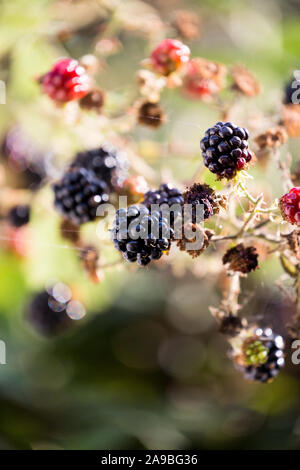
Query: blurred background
column 145, row 367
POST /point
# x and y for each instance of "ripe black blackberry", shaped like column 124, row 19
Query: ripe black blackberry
column 225, row 149
column 140, row 236
column 19, row 215
column 165, row 194
column 47, row 315
column 274, row 361
column 106, row 162
column 78, row 195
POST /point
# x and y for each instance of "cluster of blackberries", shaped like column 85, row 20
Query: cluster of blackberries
column 106, row 162
column 140, row 236
column 273, row 360
column 225, row 149
column 47, row 315
column 78, row 195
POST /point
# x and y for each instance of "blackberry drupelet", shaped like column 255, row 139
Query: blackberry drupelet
column 78, row 195
column 270, row 356
column 47, row 315
column 141, row 237
column 105, row 162
column 225, row 149
column 19, row 215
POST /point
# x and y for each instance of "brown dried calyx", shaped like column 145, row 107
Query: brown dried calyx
column 70, row 231
column 203, row 194
column 200, row 234
column 89, row 258
column 93, row 101
column 187, row 24
column 244, row 82
column 231, row 325
column 293, row 240
column 291, row 119
column 272, row 138
column 241, row 259
column 151, row 115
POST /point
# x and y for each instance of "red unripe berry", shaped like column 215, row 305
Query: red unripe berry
column 195, row 85
column 290, row 206
column 169, row 56
column 66, row 81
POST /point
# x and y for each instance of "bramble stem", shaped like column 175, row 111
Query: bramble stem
column 233, row 293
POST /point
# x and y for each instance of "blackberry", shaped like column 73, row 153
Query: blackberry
column 78, row 195
column 139, row 236
column 165, row 194
column 19, row 215
column 106, row 162
column 263, row 355
column 47, row 315
column 225, row 149
column 289, row 205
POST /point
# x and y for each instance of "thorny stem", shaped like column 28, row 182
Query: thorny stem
column 250, row 217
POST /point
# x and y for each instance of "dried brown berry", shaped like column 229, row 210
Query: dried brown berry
column 231, row 325
column 187, row 24
column 244, row 82
column 70, row 231
column 202, row 236
column 272, row 138
column 93, row 101
column 151, row 115
column 89, row 257
column 241, row 259
column 293, row 240
column 203, row 194
column 291, row 119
